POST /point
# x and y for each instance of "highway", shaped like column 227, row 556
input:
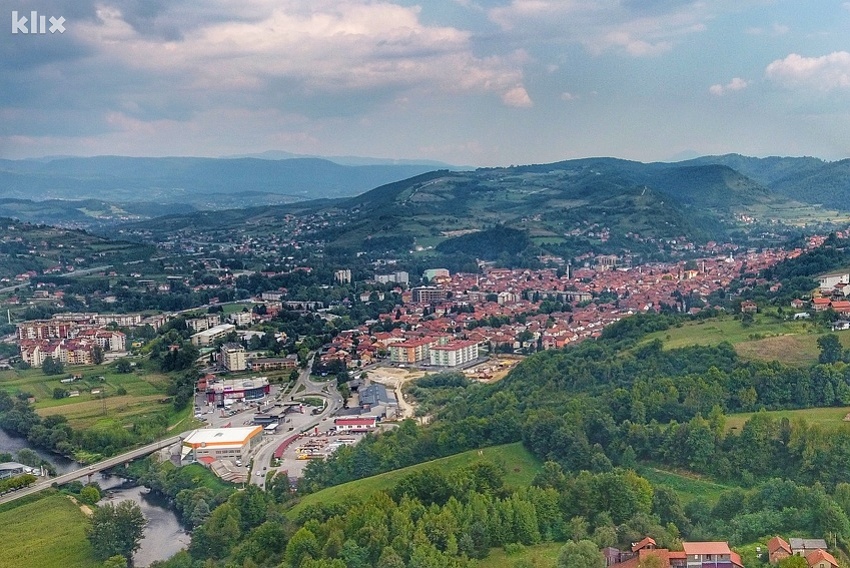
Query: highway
column 92, row 469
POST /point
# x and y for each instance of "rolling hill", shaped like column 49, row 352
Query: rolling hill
column 566, row 208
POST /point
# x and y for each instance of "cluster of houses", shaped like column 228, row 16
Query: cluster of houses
column 692, row 555
column 446, row 323
column 717, row 554
column 812, row 549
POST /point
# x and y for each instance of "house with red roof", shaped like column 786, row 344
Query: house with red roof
column 777, row 549
column 821, row 559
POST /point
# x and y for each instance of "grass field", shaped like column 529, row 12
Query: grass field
column 831, row 417
column 768, row 339
column 144, row 391
column 540, row 556
column 520, row 467
column 687, row 486
column 47, row 532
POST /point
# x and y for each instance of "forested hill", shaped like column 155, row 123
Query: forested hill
column 600, row 414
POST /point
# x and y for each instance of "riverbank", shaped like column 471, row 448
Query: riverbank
column 164, row 536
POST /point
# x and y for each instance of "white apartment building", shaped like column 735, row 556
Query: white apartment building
column 454, row 353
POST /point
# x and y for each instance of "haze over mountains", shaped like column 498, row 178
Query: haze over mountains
column 696, row 196
column 204, row 183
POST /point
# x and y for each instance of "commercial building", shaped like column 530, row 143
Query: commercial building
column 222, row 393
column 208, row 445
column 453, row 353
column 364, row 424
column 232, row 357
column 208, row 337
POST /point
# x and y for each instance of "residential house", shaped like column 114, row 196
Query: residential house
column 710, row 555
column 777, row 549
column 805, row 546
column 821, row 559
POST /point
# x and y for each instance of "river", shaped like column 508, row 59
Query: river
column 163, row 537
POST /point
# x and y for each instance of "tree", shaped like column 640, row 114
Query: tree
column 830, row 349
column 116, row 561
column 97, row 355
column 89, row 495
column 581, row 554
column 116, row 530
column 793, row 562
column 123, row 366
column 52, row 367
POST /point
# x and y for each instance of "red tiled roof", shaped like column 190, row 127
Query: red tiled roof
column 706, row 548
column 355, row 421
column 778, row 543
column 820, row 555
column 736, row 559
column 643, row 543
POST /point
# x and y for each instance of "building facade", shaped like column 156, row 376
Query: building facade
column 453, row 353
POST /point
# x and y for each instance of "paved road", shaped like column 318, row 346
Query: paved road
column 324, row 389
column 91, row 469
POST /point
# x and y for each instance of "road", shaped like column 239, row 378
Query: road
column 92, row 469
column 326, row 390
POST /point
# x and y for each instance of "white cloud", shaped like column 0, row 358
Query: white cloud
column 775, row 30
column 517, row 97
column 824, row 73
column 631, row 28
column 567, row 96
column 293, row 48
column 736, row 84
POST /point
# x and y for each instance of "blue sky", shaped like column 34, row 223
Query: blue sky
column 472, row 82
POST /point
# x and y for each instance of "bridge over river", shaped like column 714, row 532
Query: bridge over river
column 88, row 470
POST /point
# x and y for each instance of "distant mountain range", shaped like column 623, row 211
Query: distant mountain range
column 416, row 205
column 598, row 204
column 204, row 183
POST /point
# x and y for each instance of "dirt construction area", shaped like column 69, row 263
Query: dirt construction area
column 395, row 379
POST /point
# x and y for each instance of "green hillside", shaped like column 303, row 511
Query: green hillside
column 602, row 205
column 519, row 464
column 766, row 339
column 49, row 532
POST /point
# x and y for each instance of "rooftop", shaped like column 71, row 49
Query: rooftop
column 706, row 548
column 221, row 436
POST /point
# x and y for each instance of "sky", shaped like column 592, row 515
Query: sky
column 467, row 82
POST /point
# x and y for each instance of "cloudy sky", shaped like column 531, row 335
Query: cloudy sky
column 473, row 82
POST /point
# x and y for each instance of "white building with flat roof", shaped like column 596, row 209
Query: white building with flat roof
column 453, row 353
column 208, row 336
column 211, row 444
